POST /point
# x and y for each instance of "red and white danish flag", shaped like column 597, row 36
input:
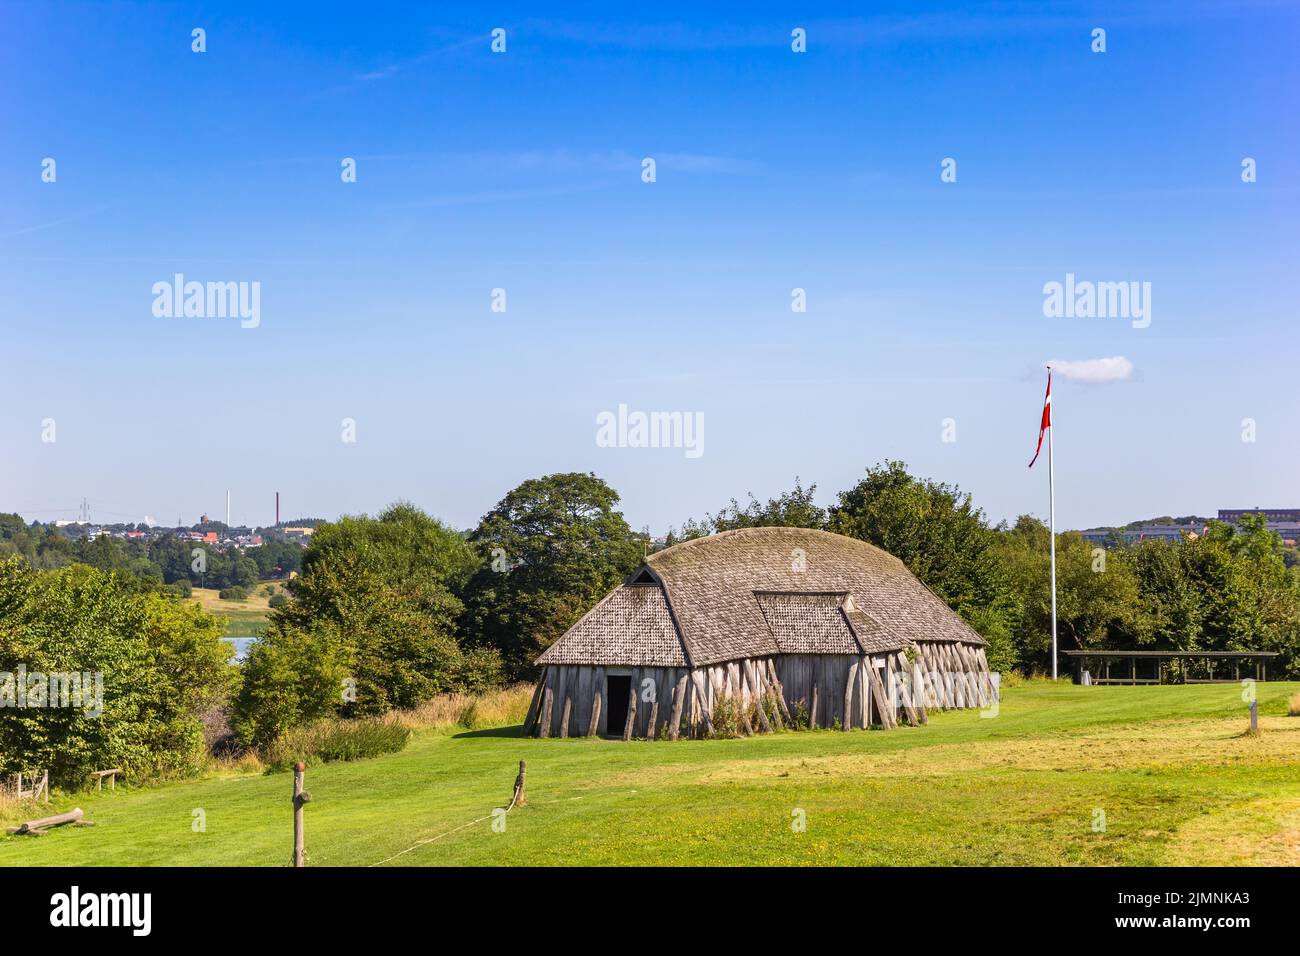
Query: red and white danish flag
column 1047, row 418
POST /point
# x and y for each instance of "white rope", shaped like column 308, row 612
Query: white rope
column 465, row 826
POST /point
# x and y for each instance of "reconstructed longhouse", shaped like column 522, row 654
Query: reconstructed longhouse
column 769, row 624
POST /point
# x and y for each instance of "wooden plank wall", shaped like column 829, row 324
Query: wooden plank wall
column 834, row 678
column 567, row 696
column 857, row 691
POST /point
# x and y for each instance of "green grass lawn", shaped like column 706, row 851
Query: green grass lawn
column 1169, row 767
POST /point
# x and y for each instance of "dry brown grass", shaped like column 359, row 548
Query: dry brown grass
column 1262, row 832
column 495, row 708
column 14, row 811
column 246, row 762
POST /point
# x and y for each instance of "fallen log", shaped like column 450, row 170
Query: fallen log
column 38, row 827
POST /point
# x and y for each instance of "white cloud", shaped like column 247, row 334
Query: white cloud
column 1094, row 371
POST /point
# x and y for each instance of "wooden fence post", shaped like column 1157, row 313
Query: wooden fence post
column 519, row 799
column 300, row 797
column 1254, row 716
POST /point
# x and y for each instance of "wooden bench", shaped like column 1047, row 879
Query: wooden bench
column 111, row 774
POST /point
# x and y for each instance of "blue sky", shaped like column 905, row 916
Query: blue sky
column 522, row 171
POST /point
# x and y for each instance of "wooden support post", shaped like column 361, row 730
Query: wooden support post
column 884, row 706
column 864, row 678
column 1254, row 716
column 630, row 723
column 916, row 693
column 812, row 707
column 300, row 798
column 698, row 678
column 780, row 691
column 675, row 715
column 548, row 702
column 597, row 702
column 534, row 705
column 654, row 715
column 847, row 724
column 562, row 699
column 740, row 698
column 567, row 711
column 756, row 691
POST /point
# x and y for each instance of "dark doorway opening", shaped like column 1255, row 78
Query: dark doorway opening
column 617, row 690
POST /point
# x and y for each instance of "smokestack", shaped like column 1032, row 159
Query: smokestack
column 277, row 509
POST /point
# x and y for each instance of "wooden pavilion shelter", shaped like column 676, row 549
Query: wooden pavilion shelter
column 782, row 621
column 1169, row 667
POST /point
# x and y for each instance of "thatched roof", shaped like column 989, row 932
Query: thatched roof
column 757, row 592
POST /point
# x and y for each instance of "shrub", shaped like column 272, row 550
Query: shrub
column 277, row 600
column 233, row 593
column 772, row 708
column 161, row 664
column 395, row 652
column 727, row 722
column 799, row 717
column 325, row 741
column 291, row 677
column 183, row 587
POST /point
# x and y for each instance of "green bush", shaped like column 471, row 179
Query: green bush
column 772, row 708
column 346, row 624
column 161, row 664
column 291, row 677
column 800, row 717
column 183, row 587
column 235, row 592
column 277, row 600
column 727, row 719
column 328, row 740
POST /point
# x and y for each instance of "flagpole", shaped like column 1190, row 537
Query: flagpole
column 1051, row 513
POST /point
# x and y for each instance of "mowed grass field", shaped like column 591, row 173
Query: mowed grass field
column 1177, row 780
column 242, row 617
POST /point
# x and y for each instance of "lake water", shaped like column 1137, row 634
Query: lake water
column 241, row 645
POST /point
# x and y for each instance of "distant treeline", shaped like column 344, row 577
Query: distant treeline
column 163, row 558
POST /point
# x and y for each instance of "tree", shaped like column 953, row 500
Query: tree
column 402, row 548
column 549, row 550
column 161, row 663
column 933, row 529
column 792, row 509
column 371, row 627
column 1097, row 594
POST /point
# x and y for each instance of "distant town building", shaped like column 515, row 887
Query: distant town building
column 1289, row 530
column 1234, row 515
column 1150, row 532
